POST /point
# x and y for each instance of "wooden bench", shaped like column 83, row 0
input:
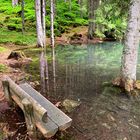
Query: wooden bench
column 38, row 111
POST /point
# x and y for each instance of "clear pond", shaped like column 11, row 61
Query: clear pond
column 83, row 74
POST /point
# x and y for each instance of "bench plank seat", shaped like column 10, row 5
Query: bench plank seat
column 54, row 114
column 48, row 129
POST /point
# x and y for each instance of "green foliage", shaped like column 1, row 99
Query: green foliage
column 110, row 15
column 107, row 18
column 10, row 17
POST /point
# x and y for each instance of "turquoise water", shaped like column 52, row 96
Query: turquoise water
column 81, row 70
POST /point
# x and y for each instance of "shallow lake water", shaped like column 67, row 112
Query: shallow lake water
column 83, row 75
column 81, row 70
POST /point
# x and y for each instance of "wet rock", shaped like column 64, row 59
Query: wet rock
column 70, row 105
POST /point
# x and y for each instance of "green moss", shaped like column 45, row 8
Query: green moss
column 3, row 68
column 2, row 49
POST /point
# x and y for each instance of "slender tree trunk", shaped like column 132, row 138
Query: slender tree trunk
column 52, row 37
column 40, row 22
column 14, row 3
column 22, row 15
column 70, row 4
column 42, row 73
column 54, row 7
column 52, row 24
column 130, row 50
column 40, row 6
column 43, row 14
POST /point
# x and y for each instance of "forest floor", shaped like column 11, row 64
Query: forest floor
column 111, row 117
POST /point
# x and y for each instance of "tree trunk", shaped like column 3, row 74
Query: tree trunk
column 14, row 3
column 70, row 4
column 52, row 40
column 42, row 73
column 130, row 50
column 52, row 23
column 22, row 15
column 40, row 22
column 92, row 7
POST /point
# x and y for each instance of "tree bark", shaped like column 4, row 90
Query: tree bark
column 22, row 15
column 52, row 41
column 130, row 51
column 70, row 5
column 40, row 22
column 52, row 23
column 14, row 3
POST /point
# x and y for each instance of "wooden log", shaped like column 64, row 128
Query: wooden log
column 6, row 91
column 29, row 118
column 55, row 114
column 41, row 112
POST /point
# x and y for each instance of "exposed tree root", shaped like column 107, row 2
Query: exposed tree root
column 130, row 86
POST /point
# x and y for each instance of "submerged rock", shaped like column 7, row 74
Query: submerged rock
column 70, row 105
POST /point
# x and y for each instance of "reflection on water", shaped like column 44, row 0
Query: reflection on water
column 80, row 73
column 81, row 70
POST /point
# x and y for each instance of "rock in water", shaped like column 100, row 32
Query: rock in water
column 70, row 105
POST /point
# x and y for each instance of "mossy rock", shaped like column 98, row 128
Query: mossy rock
column 16, row 55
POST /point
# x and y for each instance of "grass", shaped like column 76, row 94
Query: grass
column 2, row 49
column 17, row 38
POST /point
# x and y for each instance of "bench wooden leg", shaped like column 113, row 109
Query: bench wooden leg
column 5, row 84
column 29, row 118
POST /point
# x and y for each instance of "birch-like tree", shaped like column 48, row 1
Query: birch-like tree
column 127, row 79
column 22, row 15
column 52, row 36
column 40, row 7
column 14, row 3
column 40, row 22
